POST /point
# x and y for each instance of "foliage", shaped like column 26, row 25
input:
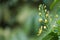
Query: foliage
column 26, row 21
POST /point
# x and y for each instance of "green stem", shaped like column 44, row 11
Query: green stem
column 53, row 4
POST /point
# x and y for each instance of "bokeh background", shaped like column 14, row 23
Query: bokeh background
column 19, row 20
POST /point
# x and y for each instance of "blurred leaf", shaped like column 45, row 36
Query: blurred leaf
column 53, row 4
